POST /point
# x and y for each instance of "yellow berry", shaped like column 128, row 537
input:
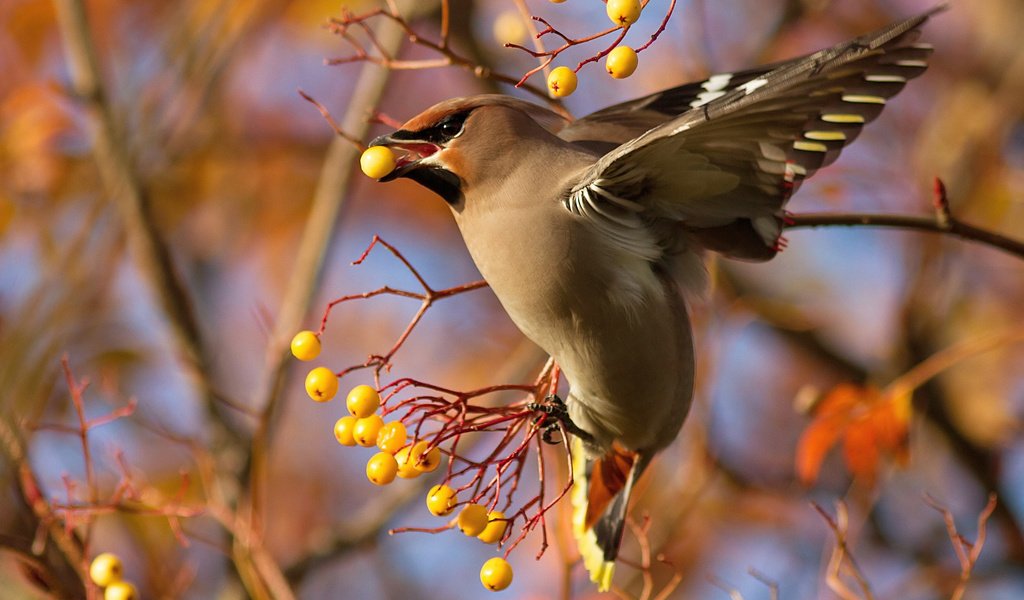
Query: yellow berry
column 562, row 82
column 426, row 460
column 441, row 500
column 365, row 430
column 495, row 528
column 509, row 28
column 377, row 161
column 496, row 574
column 621, row 62
column 321, row 384
column 105, row 569
column 623, row 12
column 391, row 437
column 120, row 590
column 381, row 468
column 344, row 430
column 305, row 345
column 406, row 466
column 363, row 401
column 473, row 520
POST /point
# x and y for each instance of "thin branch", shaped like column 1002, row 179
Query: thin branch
column 842, row 557
column 967, row 553
column 373, row 520
column 334, row 125
column 916, row 223
column 385, row 57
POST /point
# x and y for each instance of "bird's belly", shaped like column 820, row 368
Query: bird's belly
column 629, row 363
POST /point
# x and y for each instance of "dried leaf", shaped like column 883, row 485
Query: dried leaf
column 870, row 424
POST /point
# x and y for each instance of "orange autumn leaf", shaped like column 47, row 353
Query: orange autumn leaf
column 870, row 424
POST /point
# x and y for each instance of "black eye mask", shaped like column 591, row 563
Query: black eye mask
column 444, row 131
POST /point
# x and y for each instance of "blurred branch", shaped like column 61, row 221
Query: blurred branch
column 949, row 357
column 982, row 463
column 151, row 254
column 317, row 236
column 67, row 567
column 842, row 557
column 967, row 553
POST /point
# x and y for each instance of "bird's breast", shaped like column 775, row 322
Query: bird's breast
column 619, row 332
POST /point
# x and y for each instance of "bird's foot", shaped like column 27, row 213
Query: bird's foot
column 553, row 415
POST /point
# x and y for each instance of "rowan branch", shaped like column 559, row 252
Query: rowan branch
column 942, row 222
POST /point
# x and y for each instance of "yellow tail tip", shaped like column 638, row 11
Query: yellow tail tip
column 602, row 576
column 600, row 570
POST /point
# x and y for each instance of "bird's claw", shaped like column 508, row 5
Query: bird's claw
column 553, row 415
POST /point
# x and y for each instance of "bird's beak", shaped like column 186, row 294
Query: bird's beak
column 414, row 162
column 409, row 151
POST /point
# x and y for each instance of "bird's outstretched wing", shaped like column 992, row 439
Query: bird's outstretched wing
column 725, row 167
column 620, row 123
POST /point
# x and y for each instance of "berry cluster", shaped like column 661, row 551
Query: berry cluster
column 106, row 571
column 620, row 61
column 407, row 455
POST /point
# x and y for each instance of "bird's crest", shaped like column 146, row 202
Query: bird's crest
column 549, row 120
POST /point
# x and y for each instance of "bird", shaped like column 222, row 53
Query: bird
column 592, row 232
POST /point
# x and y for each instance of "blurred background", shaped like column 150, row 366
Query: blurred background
column 227, row 160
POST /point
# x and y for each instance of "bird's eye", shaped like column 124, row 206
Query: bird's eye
column 451, row 126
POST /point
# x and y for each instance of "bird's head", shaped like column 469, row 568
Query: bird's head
column 457, row 145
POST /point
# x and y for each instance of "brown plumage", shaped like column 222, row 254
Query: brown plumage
column 591, row 232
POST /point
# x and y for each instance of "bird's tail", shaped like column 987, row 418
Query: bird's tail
column 600, row 498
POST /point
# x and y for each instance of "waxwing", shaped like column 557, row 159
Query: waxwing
column 590, row 232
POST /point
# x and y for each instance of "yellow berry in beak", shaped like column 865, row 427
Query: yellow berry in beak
column 377, row 161
column 623, row 13
column 621, row 62
column 562, row 82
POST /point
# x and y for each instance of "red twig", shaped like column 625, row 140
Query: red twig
column 332, row 122
column 546, row 57
column 76, row 514
column 442, row 416
column 371, row 50
column 427, row 297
